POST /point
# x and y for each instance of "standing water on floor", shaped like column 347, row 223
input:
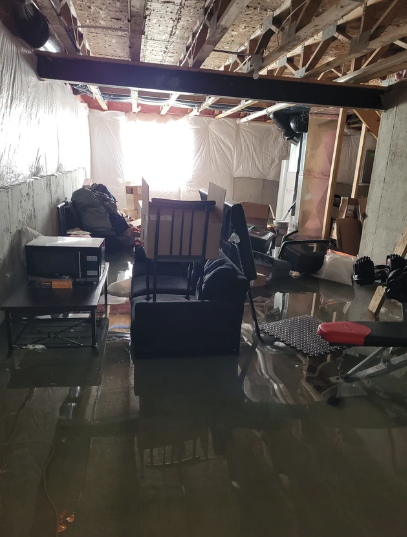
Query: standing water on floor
column 260, row 444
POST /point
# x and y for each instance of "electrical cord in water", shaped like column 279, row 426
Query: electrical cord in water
column 44, row 473
column 44, row 476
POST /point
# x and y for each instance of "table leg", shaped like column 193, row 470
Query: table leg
column 93, row 321
column 9, row 333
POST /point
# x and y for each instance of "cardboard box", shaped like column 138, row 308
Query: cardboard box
column 256, row 213
column 349, row 232
column 348, row 209
column 134, row 213
column 133, row 197
column 171, row 222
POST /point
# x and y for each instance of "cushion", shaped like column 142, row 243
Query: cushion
column 92, row 214
column 224, row 281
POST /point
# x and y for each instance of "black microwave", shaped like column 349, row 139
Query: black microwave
column 80, row 259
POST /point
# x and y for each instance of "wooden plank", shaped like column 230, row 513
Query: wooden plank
column 134, row 101
column 383, row 67
column 343, row 36
column 218, row 27
column 137, row 10
column 165, row 107
column 266, row 30
column 386, row 39
column 307, row 13
column 370, row 119
column 319, row 52
column 325, row 20
column 265, row 112
column 359, row 161
column 207, row 103
column 376, row 56
column 385, row 19
column 241, row 106
column 379, row 297
column 336, row 157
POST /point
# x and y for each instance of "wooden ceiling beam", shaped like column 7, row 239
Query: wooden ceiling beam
column 384, row 67
column 241, row 106
column 218, row 19
column 370, row 119
column 369, row 47
column 318, row 25
column 171, row 101
column 386, row 19
column 137, row 10
column 307, row 14
column 265, row 112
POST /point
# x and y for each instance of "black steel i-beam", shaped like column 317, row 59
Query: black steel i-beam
column 147, row 76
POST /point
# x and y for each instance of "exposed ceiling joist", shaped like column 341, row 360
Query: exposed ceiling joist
column 171, row 101
column 219, row 17
column 291, row 41
column 265, row 112
column 66, row 24
column 58, row 25
column 273, row 25
column 241, row 106
column 98, row 96
column 137, row 10
column 371, row 46
column 370, row 119
column 120, row 73
column 386, row 19
column 134, row 101
column 206, row 104
column 384, row 67
column 258, row 41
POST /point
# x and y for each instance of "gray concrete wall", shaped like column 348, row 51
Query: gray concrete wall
column 387, row 201
column 33, row 204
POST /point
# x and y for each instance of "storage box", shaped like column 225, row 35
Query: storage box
column 349, row 232
column 133, row 197
column 171, row 222
column 134, row 213
column 256, row 213
column 348, row 208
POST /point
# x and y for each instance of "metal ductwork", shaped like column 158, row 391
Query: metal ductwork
column 31, row 25
column 292, row 122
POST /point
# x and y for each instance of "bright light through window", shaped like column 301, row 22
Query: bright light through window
column 161, row 151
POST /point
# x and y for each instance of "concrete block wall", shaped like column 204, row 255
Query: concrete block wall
column 387, row 201
column 33, row 204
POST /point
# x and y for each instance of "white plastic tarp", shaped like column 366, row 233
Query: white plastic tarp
column 178, row 156
column 106, row 141
column 43, row 127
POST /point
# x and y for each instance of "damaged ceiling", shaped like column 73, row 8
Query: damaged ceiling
column 352, row 41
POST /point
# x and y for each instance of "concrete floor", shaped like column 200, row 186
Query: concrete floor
column 263, row 453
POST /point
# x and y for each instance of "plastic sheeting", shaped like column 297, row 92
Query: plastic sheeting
column 106, row 130
column 349, row 151
column 178, row 156
column 43, row 127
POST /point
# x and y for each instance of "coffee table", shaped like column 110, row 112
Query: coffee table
column 28, row 304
